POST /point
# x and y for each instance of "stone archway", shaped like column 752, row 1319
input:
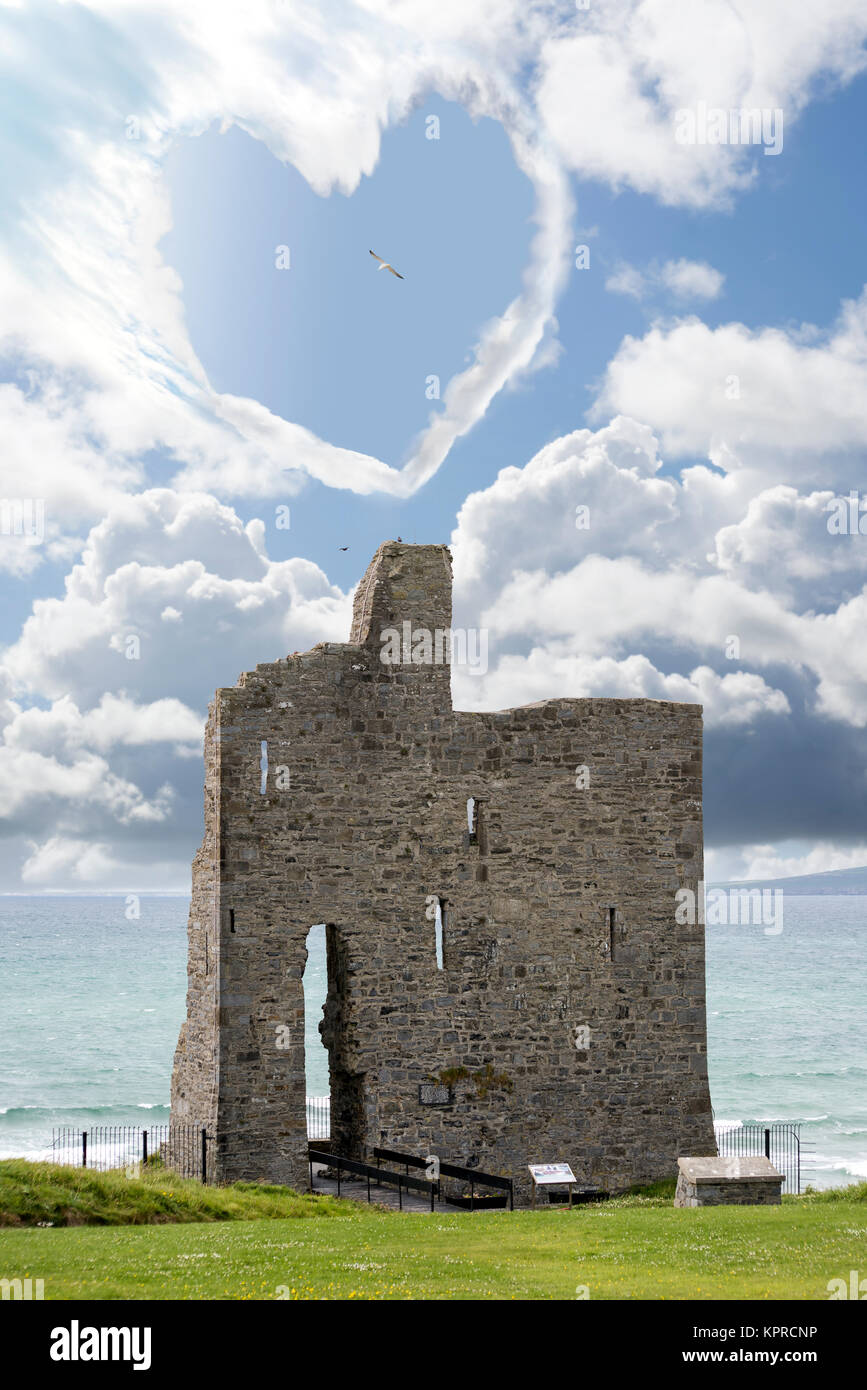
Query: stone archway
column 347, row 1083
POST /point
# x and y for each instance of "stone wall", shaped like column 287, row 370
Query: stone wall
column 727, row 1194
column 559, row 912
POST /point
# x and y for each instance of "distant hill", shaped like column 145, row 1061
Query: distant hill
column 839, row 881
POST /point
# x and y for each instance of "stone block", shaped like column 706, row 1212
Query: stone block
column 712, row 1182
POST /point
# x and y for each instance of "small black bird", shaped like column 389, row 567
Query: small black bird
column 343, row 547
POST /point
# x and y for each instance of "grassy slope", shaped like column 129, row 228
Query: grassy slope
column 637, row 1247
column 48, row 1194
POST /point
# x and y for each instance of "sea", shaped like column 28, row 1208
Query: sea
column 91, row 1002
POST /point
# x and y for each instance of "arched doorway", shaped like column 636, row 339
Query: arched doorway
column 315, row 985
column 327, row 1065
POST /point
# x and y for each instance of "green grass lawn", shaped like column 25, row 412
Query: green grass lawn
column 634, row 1247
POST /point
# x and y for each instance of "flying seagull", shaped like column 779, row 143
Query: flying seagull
column 384, row 265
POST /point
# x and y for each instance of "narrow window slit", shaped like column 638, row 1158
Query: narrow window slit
column 439, row 931
column 471, row 819
column 612, row 912
column 231, row 919
column 263, row 767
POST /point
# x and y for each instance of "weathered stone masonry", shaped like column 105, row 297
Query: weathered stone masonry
column 559, row 912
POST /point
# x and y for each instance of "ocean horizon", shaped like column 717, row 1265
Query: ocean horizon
column 92, row 1003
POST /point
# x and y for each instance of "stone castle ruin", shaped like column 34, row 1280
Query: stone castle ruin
column 507, row 981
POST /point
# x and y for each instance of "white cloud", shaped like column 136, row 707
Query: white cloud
column 675, row 607
column 692, row 279
column 612, row 81
column 594, row 98
column 186, row 552
column 750, row 862
column 63, row 860
column 549, row 671
column 28, row 777
column 666, row 564
column 627, row 279
column 98, row 785
column 765, row 861
column 783, row 543
column 115, row 720
column 767, row 397
column 95, row 317
column 529, row 519
column 682, row 279
column 93, row 321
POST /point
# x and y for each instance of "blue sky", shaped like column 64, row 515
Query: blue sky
column 347, row 353
column 165, row 388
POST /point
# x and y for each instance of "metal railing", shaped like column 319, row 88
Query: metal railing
column 781, row 1143
column 185, row 1149
column 377, row 1175
column 451, row 1170
column 318, row 1117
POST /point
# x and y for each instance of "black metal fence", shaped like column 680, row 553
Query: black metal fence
column 781, row 1143
column 187, row 1150
column 184, row 1149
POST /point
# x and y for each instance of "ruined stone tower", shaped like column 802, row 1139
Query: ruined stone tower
column 498, row 923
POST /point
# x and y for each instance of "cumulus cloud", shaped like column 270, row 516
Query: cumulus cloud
column 709, row 615
column 786, row 542
column 546, row 672
column 640, row 601
column 700, row 586
column 173, row 596
column 62, row 860
column 613, row 80
column 27, row 777
column 770, row 397
column 55, row 480
column 654, row 568
column 116, row 720
column 588, row 492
